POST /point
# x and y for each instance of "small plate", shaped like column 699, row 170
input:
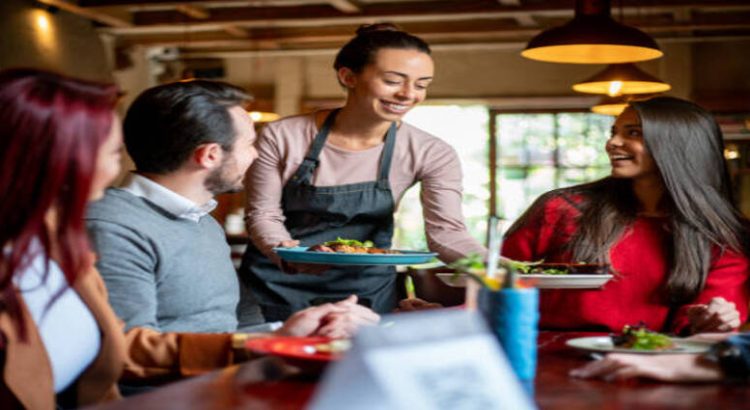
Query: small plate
column 541, row 281
column 300, row 254
column 297, row 351
column 569, row 281
column 604, row 344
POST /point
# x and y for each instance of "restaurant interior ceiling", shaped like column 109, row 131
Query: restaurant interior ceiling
column 237, row 28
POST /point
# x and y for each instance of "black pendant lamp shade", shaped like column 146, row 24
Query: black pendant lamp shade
column 592, row 37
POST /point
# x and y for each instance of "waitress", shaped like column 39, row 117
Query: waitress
column 341, row 173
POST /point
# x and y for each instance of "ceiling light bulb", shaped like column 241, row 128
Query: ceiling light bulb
column 614, row 88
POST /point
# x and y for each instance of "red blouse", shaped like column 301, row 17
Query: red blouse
column 640, row 269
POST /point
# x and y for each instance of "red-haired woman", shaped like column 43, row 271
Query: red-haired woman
column 60, row 342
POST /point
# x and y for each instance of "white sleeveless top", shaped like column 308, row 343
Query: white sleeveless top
column 69, row 331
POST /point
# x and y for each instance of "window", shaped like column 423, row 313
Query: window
column 536, row 153
column 541, row 152
column 465, row 128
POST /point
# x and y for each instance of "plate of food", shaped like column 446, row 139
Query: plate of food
column 308, row 353
column 638, row 339
column 352, row 252
column 549, row 276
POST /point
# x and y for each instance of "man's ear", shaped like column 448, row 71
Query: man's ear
column 209, row 156
column 346, row 77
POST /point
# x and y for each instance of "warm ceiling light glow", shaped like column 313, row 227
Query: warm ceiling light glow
column 261, row 116
column 609, row 105
column 731, row 152
column 613, row 109
column 42, row 21
column 619, row 79
column 592, row 37
column 614, row 88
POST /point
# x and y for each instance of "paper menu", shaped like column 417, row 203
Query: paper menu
column 443, row 359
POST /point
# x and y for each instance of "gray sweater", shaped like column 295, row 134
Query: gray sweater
column 163, row 272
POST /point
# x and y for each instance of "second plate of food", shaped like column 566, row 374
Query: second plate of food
column 604, row 344
column 301, row 254
column 541, row 281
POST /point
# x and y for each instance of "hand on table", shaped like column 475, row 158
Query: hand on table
column 718, row 315
column 667, row 368
column 334, row 320
column 414, row 304
column 294, row 268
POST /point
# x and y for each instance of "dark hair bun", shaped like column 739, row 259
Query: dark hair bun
column 366, row 29
column 361, row 49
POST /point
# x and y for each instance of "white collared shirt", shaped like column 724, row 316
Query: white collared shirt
column 167, row 199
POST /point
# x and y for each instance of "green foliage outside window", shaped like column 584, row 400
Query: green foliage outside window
column 536, row 153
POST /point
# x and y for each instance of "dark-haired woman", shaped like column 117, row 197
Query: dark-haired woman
column 664, row 220
column 341, row 173
column 59, row 145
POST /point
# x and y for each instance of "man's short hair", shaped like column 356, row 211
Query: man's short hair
column 165, row 124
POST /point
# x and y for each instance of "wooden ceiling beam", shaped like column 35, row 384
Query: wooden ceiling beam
column 269, row 41
column 237, row 32
column 479, row 45
column 192, row 11
column 345, row 6
column 402, row 12
column 99, row 17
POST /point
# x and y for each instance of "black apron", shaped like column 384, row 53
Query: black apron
column 362, row 211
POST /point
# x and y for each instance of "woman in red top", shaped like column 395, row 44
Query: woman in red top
column 664, row 220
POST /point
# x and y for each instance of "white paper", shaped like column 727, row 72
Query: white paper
column 443, row 359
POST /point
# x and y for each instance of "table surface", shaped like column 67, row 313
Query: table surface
column 554, row 389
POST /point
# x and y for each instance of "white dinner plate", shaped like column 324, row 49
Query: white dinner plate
column 604, row 344
column 541, row 281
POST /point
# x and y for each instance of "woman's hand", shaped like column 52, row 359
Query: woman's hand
column 334, row 320
column 718, row 315
column 668, row 368
column 414, row 304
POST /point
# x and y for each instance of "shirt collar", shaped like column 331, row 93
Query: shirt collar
column 167, row 199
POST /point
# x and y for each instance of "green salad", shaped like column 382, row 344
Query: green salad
column 638, row 337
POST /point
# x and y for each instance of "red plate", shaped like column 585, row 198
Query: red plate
column 297, row 351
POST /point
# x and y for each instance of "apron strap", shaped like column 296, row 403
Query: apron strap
column 386, row 156
column 303, row 175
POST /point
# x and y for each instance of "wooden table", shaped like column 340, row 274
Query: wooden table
column 553, row 389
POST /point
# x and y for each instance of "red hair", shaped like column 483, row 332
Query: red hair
column 51, row 128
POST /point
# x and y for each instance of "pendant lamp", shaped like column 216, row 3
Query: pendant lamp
column 611, row 105
column 616, row 105
column 592, row 37
column 619, row 79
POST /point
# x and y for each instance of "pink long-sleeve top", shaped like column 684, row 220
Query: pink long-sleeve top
column 417, row 157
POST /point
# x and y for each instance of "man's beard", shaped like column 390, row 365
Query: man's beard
column 217, row 183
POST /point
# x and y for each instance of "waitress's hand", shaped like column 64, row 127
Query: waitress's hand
column 294, row 268
column 719, row 315
column 414, row 304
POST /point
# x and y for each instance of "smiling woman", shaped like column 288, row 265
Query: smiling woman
column 342, row 173
column 664, row 220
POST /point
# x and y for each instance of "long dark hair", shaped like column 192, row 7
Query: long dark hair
column 52, row 128
column 687, row 146
column 360, row 51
